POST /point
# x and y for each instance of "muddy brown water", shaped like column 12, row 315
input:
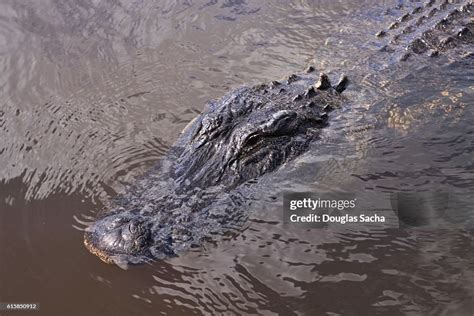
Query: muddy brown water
column 94, row 92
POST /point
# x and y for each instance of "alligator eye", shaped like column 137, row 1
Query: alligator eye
column 251, row 141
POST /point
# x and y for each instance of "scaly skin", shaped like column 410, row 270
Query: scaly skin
column 250, row 132
column 432, row 29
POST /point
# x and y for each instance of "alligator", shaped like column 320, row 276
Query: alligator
column 254, row 131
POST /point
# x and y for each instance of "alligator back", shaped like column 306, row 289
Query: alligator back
column 434, row 29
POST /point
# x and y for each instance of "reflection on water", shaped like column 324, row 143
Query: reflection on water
column 94, row 92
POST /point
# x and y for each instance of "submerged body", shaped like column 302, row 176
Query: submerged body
column 253, row 131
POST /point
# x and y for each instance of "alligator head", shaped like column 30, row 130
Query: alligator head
column 249, row 132
column 253, row 131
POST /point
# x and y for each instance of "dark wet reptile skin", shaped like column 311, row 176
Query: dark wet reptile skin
column 253, row 131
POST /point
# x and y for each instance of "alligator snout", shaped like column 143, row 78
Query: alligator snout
column 118, row 235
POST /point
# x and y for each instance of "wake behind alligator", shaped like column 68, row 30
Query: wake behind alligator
column 193, row 192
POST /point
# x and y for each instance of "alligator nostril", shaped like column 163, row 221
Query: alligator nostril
column 133, row 227
column 140, row 242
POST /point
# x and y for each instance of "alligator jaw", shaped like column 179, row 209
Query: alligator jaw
column 96, row 251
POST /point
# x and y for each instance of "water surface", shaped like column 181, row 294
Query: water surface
column 94, row 92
